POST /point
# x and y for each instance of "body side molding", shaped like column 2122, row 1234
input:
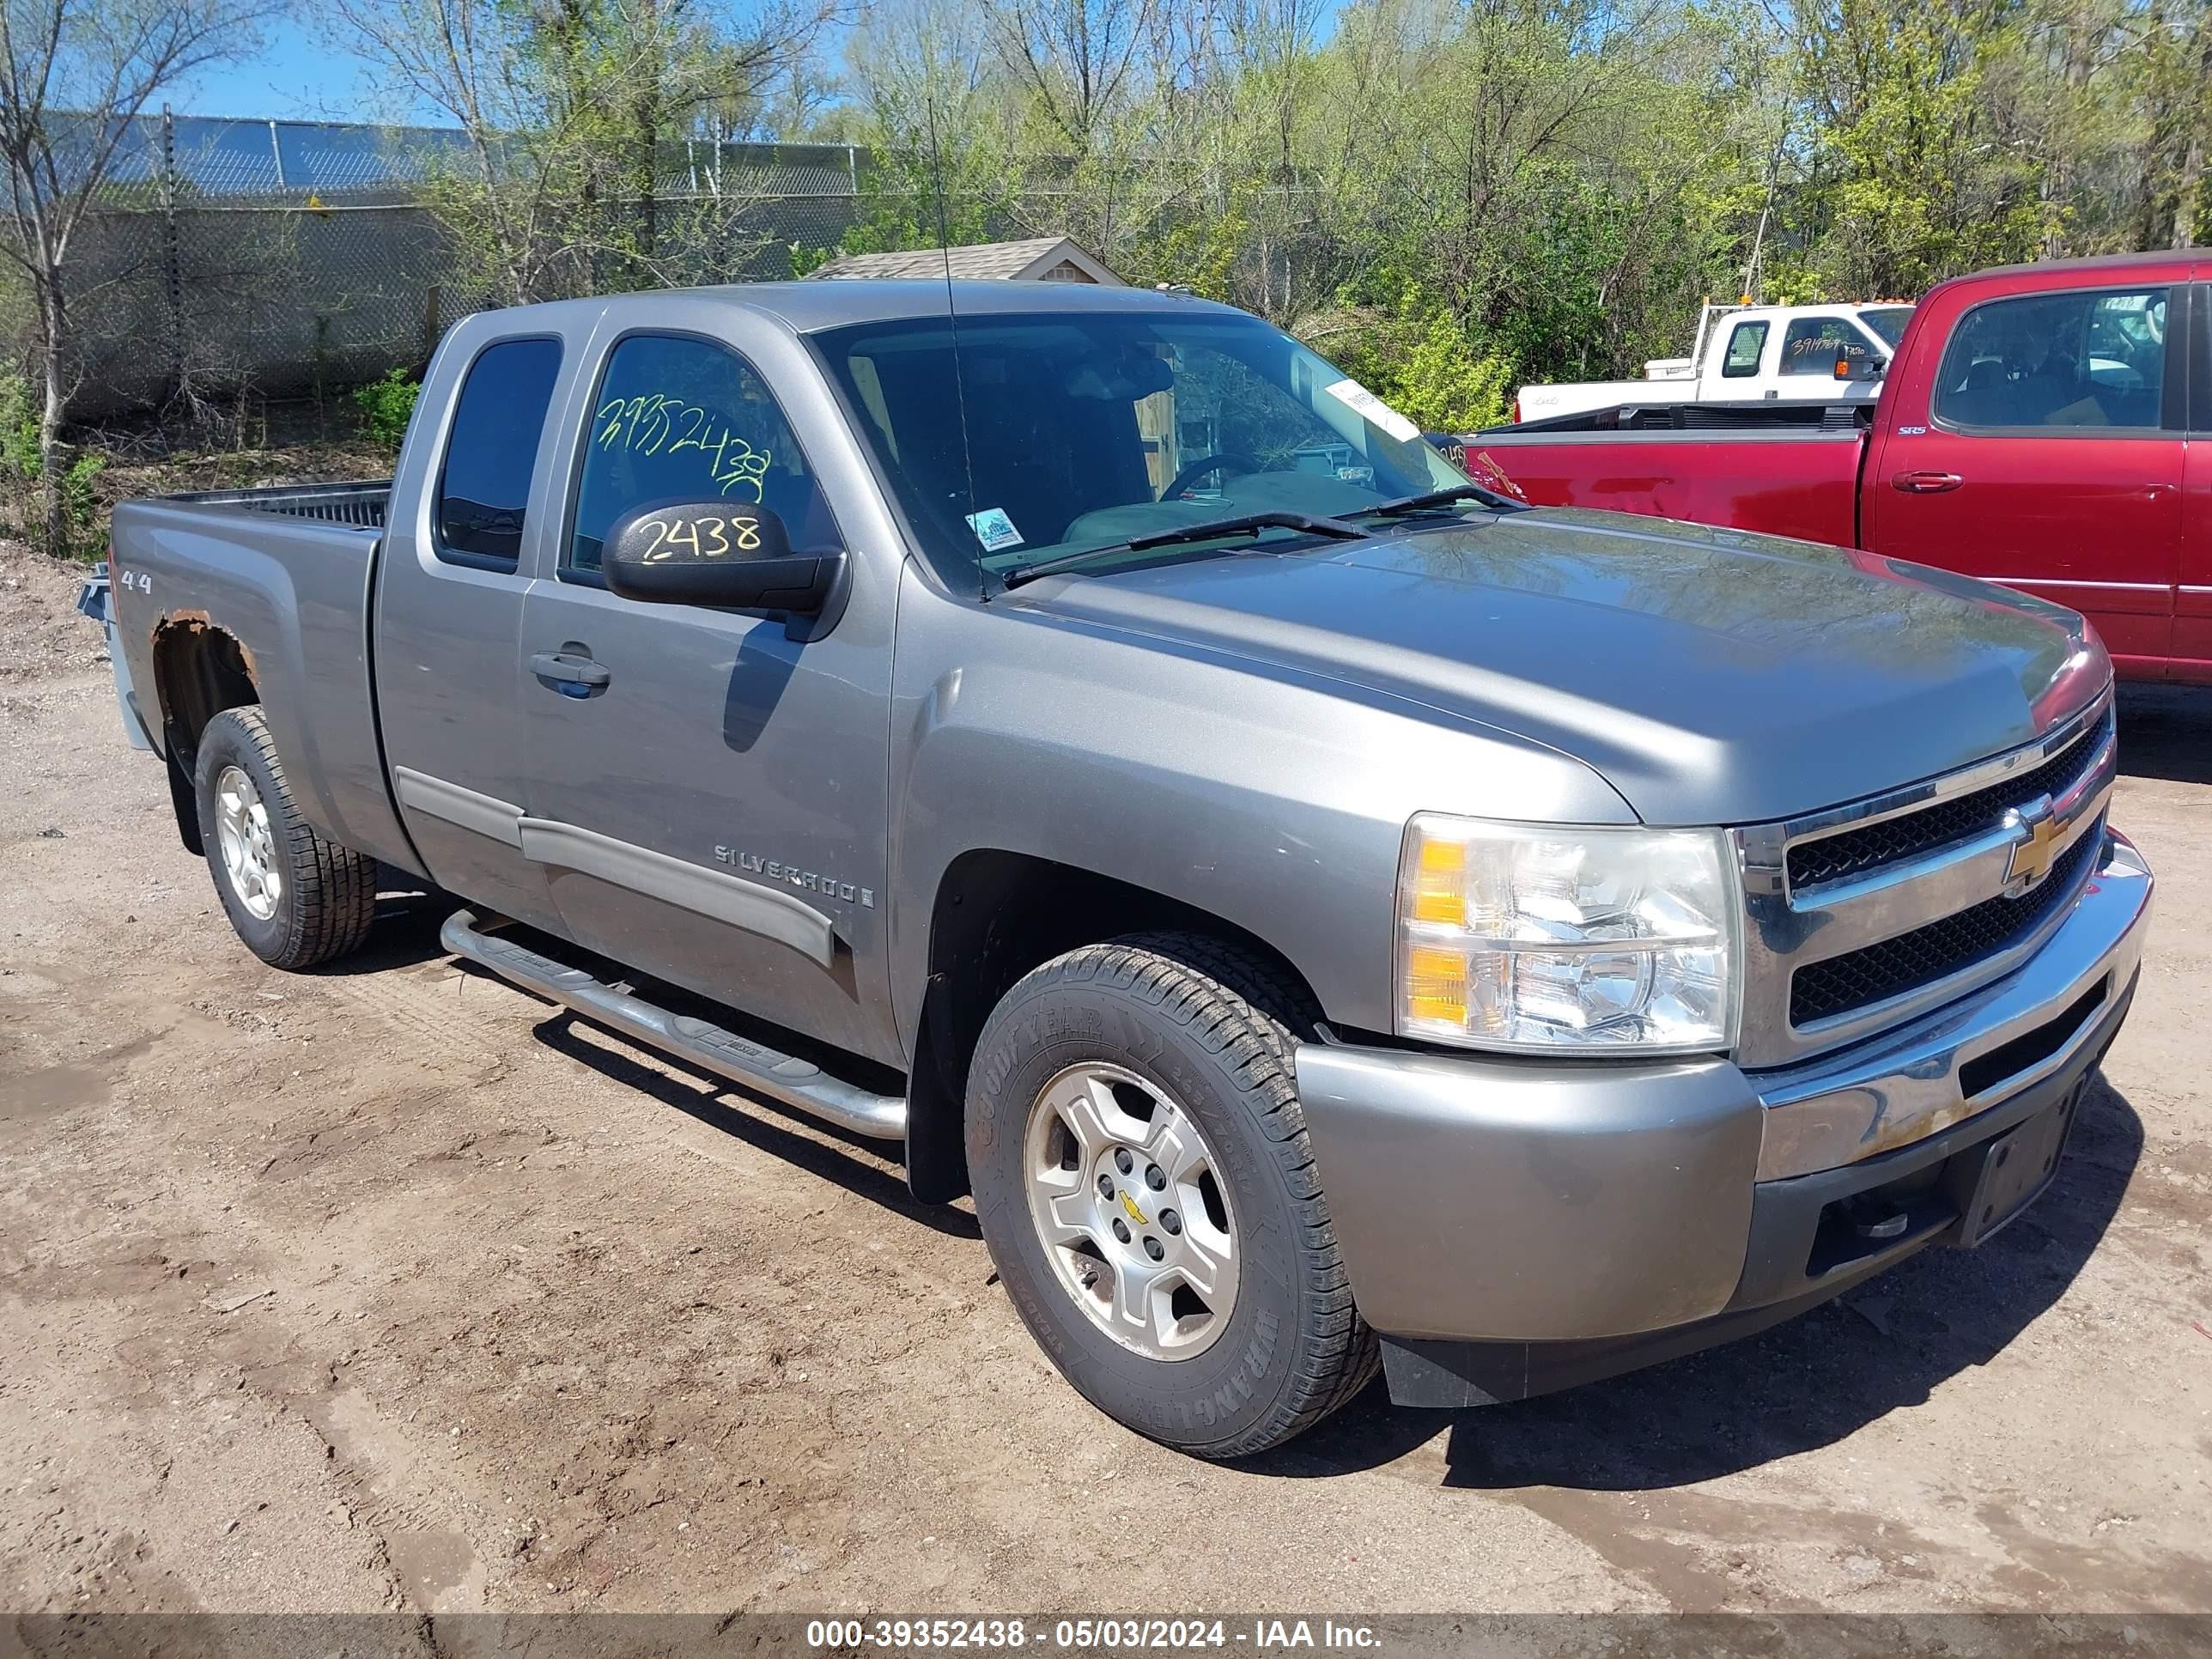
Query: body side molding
column 487, row 815
column 740, row 903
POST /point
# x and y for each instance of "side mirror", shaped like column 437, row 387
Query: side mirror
column 730, row 554
column 1868, row 367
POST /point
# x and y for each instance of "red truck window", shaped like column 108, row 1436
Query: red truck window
column 2200, row 373
column 2035, row 361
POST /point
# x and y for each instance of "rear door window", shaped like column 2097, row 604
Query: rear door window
column 2079, row 359
column 1744, row 346
column 491, row 453
column 682, row 419
column 1889, row 322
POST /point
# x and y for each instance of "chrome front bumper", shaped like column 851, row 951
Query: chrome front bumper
column 1912, row 1082
column 1536, row 1206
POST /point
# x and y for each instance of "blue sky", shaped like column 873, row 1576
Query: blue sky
column 299, row 75
column 296, row 74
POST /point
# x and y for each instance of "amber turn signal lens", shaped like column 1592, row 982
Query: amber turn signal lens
column 1436, row 984
column 1440, row 890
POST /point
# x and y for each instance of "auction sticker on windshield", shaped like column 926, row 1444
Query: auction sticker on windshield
column 994, row 529
column 1358, row 399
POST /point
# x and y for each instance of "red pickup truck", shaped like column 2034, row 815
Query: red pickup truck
column 2047, row 426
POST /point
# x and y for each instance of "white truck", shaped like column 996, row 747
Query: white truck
column 1823, row 353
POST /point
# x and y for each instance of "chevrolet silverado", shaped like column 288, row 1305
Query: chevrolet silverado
column 1329, row 915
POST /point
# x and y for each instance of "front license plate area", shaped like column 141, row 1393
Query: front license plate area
column 2002, row 1177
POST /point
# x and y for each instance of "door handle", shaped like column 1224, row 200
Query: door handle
column 1927, row 483
column 572, row 676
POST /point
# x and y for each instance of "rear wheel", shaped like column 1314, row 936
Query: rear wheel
column 295, row 898
column 1148, row 1193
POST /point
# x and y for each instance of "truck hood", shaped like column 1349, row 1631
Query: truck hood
column 1710, row 675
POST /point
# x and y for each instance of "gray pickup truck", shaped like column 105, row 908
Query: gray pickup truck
column 1325, row 914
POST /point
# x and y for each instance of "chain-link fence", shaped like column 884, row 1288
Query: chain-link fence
column 284, row 257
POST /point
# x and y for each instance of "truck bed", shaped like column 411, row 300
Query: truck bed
column 286, row 573
column 360, row 504
column 1761, row 416
column 1786, row 470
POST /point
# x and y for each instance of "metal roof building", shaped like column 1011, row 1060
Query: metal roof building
column 1039, row 259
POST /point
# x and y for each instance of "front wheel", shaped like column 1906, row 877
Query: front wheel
column 1148, row 1194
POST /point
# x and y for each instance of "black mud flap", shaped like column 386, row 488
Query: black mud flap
column 182, row 798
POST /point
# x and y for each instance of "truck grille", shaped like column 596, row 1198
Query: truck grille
column 1863, row 915
column 1857, row 851
column 1860, row 979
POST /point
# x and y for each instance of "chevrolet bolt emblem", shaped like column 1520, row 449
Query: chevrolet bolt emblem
column 2032, row 855
column 1136, row 1214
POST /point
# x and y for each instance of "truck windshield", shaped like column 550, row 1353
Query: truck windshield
column 1888, row 321
column 1091, row 430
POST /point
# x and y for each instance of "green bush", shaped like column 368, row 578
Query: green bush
column 1443, row 383
column 81, row 505
column 22, row 471
column 19, row 470
column 386, row 406
column 1425, row 364
column 19, row 432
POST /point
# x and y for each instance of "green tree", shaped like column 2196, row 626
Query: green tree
column 1912, row 178
column 575, row 114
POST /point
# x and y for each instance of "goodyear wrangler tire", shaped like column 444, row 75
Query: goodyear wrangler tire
column 1148, row 1193
column 294, row 898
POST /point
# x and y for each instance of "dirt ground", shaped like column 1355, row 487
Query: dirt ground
column 390, row 1288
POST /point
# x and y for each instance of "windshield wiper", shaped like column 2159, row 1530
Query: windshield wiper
column 1429, row 498
column 1245, row 523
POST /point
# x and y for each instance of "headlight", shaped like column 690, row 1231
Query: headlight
column 1534, row 937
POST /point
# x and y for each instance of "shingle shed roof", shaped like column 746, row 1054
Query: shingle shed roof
column 1047, row 259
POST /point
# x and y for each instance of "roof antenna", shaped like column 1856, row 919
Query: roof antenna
column 952, row 322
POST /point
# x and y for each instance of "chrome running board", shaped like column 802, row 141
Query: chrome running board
column 796, row 1083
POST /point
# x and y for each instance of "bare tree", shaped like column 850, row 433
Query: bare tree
column 1079, row 60
column 572, row 111
column 73, row 76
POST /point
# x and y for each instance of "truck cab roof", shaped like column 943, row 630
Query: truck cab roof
column 807, row 308
column 2173, row 264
